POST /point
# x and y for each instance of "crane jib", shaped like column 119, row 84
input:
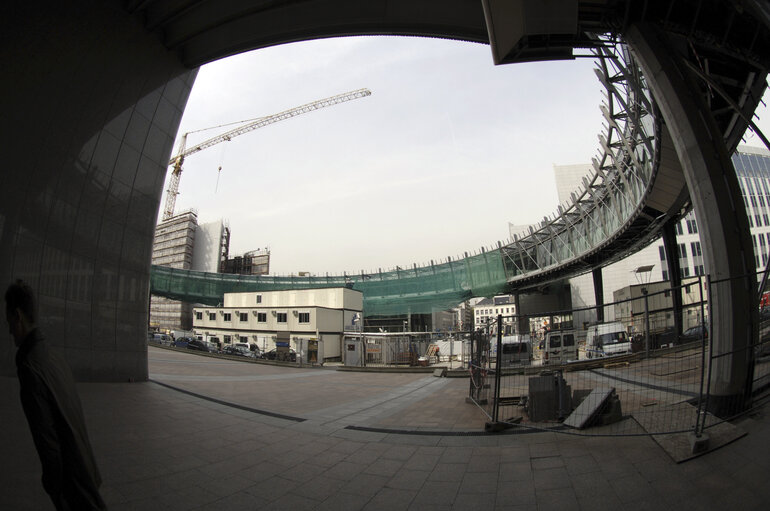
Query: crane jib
column 177, row 160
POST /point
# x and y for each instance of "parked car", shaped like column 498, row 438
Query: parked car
column 234, row 349
column 558, row 347
column 272, row 355
column 695, row 333
column 181, row 342
column 197, row 345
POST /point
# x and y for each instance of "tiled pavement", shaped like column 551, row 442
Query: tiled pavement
column 162, row 449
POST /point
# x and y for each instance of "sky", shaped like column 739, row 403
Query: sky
column 446, row 151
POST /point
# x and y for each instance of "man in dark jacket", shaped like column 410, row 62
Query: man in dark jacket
column 52, row 407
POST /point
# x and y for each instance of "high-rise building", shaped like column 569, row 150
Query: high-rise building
column 752, row 167
column 181, row 243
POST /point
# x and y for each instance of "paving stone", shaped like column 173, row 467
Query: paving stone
column 474, row 501
column 448, row 472
column 342, row 501
column 437, row 493
column 344, row 470
column 558, row 499
column 391, row 499
column 547, row 462
column 551, row 478
column 365, row 484
column 384, row 467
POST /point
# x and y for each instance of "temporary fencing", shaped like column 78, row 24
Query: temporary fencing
column 411, row 349
column 644, row 364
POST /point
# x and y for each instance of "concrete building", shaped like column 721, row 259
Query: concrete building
column 630, row 307
column 173, row 246
column 212, row 245
column 180, row 242
column 487, row 310
column 256, row 262
column 310, row 319
column 752, row 167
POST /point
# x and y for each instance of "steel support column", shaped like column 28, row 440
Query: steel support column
column 599, row 293
column 674, row 273
column 716, row 196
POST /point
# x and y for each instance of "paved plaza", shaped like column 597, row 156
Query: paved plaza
column 210, row 433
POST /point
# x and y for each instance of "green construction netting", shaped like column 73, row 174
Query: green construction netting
column 419, row 290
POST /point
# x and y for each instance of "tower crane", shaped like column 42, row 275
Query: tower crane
column 183, row 152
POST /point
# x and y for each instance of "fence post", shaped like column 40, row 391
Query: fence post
column 646, row 323
column 701, row 410
column 499, row 350
column 711, row 351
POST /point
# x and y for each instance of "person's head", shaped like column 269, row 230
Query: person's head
column 20, row 310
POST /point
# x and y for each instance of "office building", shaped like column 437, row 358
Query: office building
column 752, row 166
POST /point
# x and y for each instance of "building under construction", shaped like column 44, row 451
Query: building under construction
column 181, row 243
column 256, row 262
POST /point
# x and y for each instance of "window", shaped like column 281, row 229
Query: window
column 228, row 339
column 662, row 253
column 228, row 316
column 304, row 317
column 243, row 316
column 281, row 317
column 261, row 317
column 259, row 298
column 198, row 315
column 212, row 316
column 679, row 228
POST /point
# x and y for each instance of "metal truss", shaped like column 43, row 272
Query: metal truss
column 613, row 196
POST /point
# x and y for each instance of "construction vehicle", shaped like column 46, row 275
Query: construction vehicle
column 251, row 125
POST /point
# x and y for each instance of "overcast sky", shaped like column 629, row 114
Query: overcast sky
column 445, row 152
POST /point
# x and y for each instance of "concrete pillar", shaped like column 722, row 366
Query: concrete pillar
column 716, row 196
column 91, row 103
column 599, row 294
column 674, row 273
column 522, row 322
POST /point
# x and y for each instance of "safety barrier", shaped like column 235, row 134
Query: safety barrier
column 648, row 367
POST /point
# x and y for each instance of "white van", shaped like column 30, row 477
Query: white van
column 559, row 347
column 607, row 339
column 517, row 350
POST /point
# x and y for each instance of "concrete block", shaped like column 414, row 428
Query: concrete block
column 698, row 444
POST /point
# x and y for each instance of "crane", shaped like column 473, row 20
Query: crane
column 183, row 152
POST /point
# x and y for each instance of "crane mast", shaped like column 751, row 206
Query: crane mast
column 182, row 152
